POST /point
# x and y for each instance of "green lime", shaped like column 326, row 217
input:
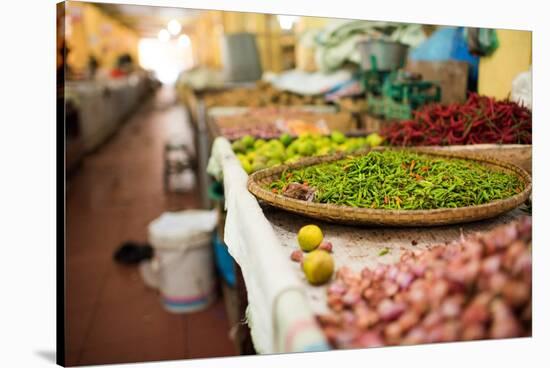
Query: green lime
column 285, row 139
column 248, row 141
column 238, row 147
column 259, row 143
column 260, row 159
column 338, row 137
column 291, row 159
column 246, row 166
column 374, row 140
column 273, row 162
column 307, row 148
column 256, row 166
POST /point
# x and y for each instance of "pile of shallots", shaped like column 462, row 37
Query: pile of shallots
column 478, row 288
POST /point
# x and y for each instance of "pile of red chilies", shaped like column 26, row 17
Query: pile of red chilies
column 480, row 119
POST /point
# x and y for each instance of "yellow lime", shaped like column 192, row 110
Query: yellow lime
column 292, row 159
column 259, row 159
column 248, row 141
column 374, row 140
column 246, row 165
column 309, row 237
column 318, row 267
column 259, row 143
column 273, row 162
column 256, row 166
column 238, row 147
column 338, row 137
column 307, row 148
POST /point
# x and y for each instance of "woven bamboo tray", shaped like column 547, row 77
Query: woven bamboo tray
column 517, row 154
column 368, row 216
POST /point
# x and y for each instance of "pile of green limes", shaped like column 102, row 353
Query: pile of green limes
column 257, row 154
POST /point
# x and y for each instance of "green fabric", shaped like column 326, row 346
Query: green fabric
column 481, row 41
column 488, row 40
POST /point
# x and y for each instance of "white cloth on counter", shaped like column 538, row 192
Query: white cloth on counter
column 305, row 83
column 278, row 313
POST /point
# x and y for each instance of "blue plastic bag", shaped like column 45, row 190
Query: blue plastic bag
column 223, row 261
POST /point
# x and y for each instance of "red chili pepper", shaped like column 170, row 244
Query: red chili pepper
column 480, row 119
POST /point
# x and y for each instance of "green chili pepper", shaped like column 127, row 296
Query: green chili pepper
column 390, row 180
column 383, row 252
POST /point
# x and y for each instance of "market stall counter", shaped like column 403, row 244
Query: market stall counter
column 282, row 305
column 229, row 98
column 197, row 103
column 103, row 105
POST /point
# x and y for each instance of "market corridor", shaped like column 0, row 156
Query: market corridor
column 111, row 315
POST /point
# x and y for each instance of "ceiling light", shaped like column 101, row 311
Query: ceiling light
column 184, row 40
column 163, row 35
column 174, row 27
column 286, row 21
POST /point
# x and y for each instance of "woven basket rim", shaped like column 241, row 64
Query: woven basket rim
column 331, row 212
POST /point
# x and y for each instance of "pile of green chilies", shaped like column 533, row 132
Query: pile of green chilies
column 402, row 180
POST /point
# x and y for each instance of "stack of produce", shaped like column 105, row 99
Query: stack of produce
column 478, row 288
column 352, row 104
column 271, row 122
column 480, row 120
column 257, row 154
column 263, row 94
column 392, row 179
column 263, row 131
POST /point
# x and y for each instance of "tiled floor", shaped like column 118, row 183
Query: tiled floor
column 111, row 316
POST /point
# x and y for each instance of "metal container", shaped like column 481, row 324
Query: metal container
column 241, row 59
column 389, row 55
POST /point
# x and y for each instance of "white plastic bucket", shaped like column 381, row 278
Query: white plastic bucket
column 183, row 261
